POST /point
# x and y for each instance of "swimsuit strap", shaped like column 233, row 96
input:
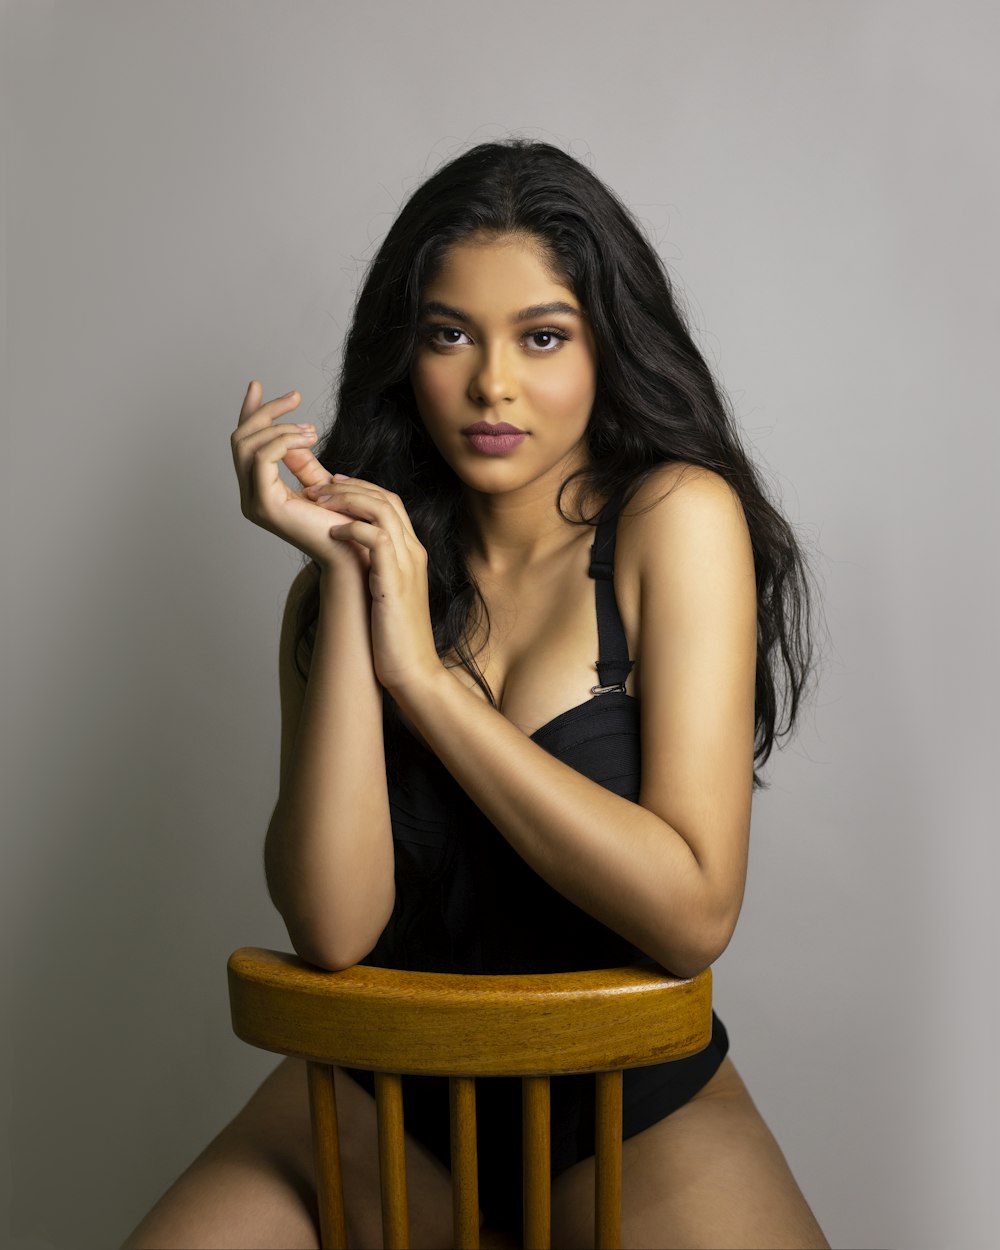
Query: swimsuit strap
column 613, row 666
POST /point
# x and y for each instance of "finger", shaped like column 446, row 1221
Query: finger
column 333, row 493
column 307, row 469
column 255, row 416
column 372, row 504
column 251, row 401
column 285, row 435
column 382, row 552
column 262, row 470
column 337, row 489
column 336, row 480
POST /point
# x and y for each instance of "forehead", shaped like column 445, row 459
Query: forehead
column 502, row 274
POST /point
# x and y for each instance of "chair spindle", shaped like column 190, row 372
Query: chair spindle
column 608, row 1160
column 326, row 1151
column 464, row 1163
column 392, row 1160
column 537, row 1162
column 529, row 1026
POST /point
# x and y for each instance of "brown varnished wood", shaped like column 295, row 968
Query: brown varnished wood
column 392, row 1022
column 326, row 1152
column 392, row 1160
column 464, row 1163
column 608, row 1160
column 537, row 1192
column 382, row 1019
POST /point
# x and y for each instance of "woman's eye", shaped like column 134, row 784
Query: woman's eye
column 547, row 340
column 541, row 342
column 446, row 336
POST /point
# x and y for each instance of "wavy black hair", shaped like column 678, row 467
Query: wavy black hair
column 656, row 400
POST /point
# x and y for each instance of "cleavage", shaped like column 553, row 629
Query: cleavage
column 540, row 658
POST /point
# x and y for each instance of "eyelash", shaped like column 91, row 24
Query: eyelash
column 430, row 332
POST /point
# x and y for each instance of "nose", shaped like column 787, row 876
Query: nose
column 493, row 381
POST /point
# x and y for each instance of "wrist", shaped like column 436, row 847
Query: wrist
column 342, row 575
column 420, row 689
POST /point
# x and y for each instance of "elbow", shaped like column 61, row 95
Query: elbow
column 336, row 947
column 324, row 961
column 715, row 941
column 685, row 965
column 329, row 958
column 702, row 946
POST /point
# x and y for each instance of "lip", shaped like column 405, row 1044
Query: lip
column 495, row 444
column 484, row 427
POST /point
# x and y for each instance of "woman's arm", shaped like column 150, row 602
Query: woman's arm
column 328, row 854
column 667, row 872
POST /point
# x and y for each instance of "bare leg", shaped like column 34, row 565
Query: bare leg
column 708, row 1176
column 254, row 1185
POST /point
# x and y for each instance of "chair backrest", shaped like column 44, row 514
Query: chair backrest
column 462, row 1027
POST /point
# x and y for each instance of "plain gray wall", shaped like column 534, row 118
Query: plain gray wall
column 191, row 192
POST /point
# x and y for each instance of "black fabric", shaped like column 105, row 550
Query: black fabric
column 466, row 902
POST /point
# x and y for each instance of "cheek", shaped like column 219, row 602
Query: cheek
column 433, row 388
column 568, row 392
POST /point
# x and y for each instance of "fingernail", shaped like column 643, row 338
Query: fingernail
column 341, row 477
column 303, row 425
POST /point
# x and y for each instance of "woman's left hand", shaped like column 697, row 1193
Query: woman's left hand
column 402, row 637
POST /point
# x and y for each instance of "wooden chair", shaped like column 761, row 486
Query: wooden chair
column 463, row 1027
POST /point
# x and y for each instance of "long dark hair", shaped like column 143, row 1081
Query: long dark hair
column 656, row 400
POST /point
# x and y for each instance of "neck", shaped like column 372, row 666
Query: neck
column 517, row 532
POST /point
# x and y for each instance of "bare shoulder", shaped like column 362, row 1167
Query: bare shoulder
column 681, row 493
column 682, row 513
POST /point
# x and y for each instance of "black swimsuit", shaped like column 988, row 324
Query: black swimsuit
column 466, row 902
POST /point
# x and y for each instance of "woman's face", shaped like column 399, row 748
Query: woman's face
column 503, row 340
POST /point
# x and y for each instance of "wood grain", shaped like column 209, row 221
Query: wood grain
column 608, row 1161
column 392, row 1160
column 464, row 1163
column 535, row 1026
column 447, row 1025
column 326, row 1152
column 537, row 1193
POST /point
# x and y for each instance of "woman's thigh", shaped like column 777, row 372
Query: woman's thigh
column 709, row 1175
column 255, row 1184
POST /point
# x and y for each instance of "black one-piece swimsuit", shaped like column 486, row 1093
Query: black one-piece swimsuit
column 467, row 902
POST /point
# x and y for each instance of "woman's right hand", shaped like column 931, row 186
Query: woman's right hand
column 258, row 447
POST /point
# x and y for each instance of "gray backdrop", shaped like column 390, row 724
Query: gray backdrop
column 191, row 192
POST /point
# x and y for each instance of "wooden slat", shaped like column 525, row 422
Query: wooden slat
column 326, row 1152
column 392, row 1160
column 464, row 1163
column 537, row 1163
column 608, row 1156
column 439, row 1023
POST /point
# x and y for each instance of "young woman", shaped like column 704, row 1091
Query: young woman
column 548, row 626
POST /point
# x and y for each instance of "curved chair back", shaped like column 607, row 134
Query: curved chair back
column 463, row 1027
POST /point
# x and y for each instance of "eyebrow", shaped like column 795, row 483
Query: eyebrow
column 436, row 309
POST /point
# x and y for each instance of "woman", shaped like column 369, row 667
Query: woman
column 516, row 375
